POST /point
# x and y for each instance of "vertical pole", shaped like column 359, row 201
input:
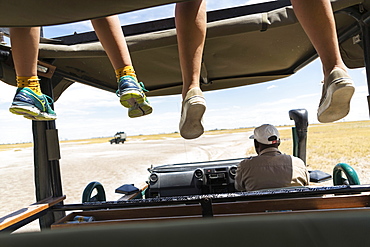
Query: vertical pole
column 46, row 160
column 363, row 20
column 364, row 23
column 295, row 142
column 300, row 117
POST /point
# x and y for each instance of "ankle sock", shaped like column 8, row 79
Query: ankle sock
column 127, row 70
column 29, row 82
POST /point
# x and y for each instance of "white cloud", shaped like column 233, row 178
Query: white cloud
column 308, row 95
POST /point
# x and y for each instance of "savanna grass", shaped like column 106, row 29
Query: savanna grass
column 330, row 144
column 327, row 144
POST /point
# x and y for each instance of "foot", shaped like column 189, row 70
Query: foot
column 132, row 96
column 32, row 106
column 337, row 92
column 193, row 108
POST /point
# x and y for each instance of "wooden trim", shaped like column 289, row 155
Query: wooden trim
column 162, row 219
column 29, row 211
column 155, row 213
column 143, row 187
column 329, row 202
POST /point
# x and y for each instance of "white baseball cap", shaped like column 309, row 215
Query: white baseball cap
column 266, row 134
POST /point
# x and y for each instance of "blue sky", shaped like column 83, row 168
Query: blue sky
column 80, row 115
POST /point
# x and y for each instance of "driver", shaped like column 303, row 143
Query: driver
column 271, row 168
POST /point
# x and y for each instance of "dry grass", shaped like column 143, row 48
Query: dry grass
column 4, row 147
column 327, row 145
column 340, row 143
column 228, row 131
column 330, row 144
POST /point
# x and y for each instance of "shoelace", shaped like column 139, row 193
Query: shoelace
column 49, row 100
column 142, row 86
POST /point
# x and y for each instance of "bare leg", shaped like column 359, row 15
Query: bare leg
column 25, row 50
column 316, row 18
column 111, row 37
column 191, row 27
column 28, row 101
column 191, row 24
column 110, row 34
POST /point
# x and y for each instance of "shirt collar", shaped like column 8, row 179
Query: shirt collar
column 269, row 150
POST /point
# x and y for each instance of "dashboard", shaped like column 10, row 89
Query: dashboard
column 210, row 177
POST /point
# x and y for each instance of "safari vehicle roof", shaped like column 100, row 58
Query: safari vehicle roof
column 244, row 45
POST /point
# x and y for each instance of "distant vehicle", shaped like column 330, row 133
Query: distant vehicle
column 118, row 138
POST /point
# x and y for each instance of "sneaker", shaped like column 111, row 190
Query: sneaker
column 337, row 92
column 132, row 96
column 193, row 108
column 32, row 106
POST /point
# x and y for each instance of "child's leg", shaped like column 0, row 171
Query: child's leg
column 111, row 36
column 130, row 91
column 191, row 27
column 29, row 100
column 25, row 50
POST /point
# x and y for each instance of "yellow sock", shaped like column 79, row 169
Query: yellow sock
column 127, row 70
column 29, row 82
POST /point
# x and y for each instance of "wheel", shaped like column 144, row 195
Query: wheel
column 352, row 178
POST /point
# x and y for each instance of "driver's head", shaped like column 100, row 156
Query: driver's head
column 265, row 136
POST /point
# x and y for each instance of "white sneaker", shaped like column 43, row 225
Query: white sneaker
column 193, row 108
column 336, row 96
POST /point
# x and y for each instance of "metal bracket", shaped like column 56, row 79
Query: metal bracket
column 204, row 74
column 45, row 69
column 206, row 204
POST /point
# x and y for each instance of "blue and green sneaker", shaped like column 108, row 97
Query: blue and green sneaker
column 132, row 96
column 32, row 106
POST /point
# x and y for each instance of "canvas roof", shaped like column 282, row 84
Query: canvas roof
column 24, row 13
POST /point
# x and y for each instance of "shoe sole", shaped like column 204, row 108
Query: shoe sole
column 192, row 127
column 40, row 117
column 31, row 113
column 131, row 98
column 337, row 104
column 24, row 110
column 140, row 110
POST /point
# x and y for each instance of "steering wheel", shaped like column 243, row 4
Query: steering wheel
column 352, row 178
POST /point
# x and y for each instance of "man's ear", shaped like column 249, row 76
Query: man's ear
column 256, row 146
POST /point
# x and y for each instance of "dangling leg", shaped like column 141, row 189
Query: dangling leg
column 130, row 91
column 317, row 19
column 191, row 24
column 29, row 101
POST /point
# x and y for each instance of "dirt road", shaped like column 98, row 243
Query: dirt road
column 111, row 165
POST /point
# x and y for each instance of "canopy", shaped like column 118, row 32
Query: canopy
column 25, row 13
column 244, row 45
